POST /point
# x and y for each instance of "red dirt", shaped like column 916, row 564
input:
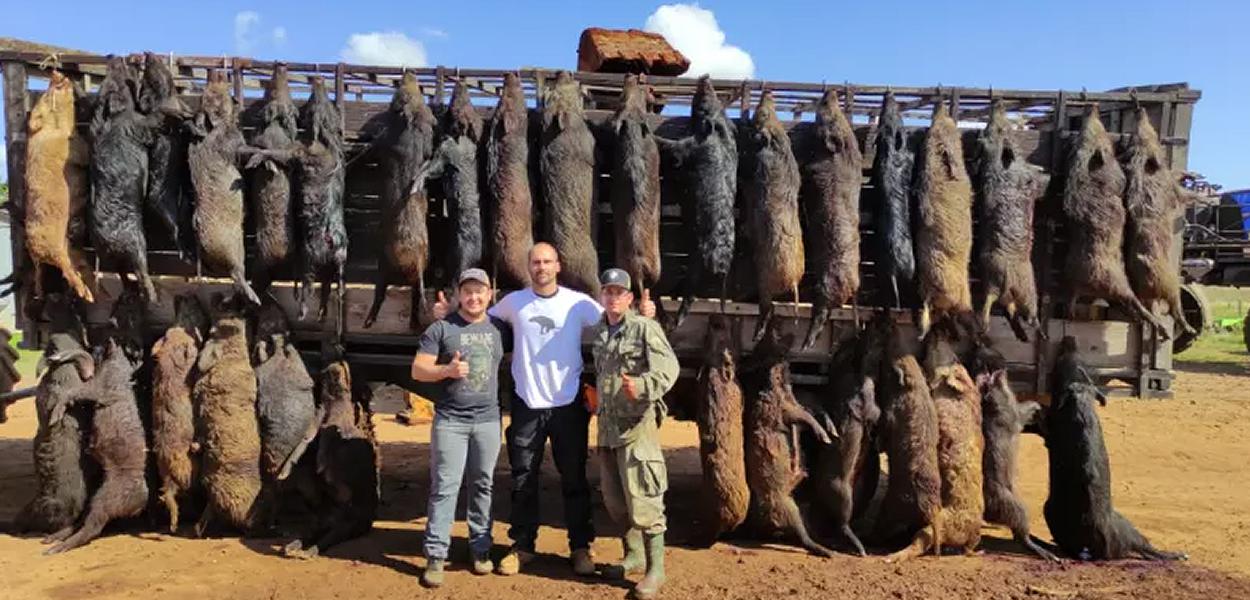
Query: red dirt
column 1180, row 475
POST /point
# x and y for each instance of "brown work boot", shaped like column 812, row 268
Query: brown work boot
column 649, row 587
column 512, row 562
column 583, row 562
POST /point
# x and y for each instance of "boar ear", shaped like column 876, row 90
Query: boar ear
column 1096, row 161
column 208, row 357
column 948, row 162
column 156, row 348
column 563, row 120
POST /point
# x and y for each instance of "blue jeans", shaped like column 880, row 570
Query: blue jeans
column 460, row 451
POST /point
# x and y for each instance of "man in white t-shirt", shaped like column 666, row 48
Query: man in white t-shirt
column 547, row 323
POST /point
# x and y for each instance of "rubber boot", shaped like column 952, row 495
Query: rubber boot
column 649, row 587
column 635, row 560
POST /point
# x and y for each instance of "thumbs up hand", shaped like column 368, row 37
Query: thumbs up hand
column 441, row 307
column 456, row 369
column 646, row 307
column 629, row 387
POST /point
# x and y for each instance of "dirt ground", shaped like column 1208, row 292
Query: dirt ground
column 1180, row 471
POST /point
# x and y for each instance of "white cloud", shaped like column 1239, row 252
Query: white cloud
column 695, row 33
column 434, row 32
column 389, row 48
column 279, row 35
column 244, row 23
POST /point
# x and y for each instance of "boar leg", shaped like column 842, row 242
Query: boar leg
column 766, row 315
column 990, row 298
column 1178, row 314
column 793, row 522
column 169, row 499
column 379, row 296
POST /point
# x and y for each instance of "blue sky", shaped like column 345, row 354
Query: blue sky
column 1092, row 44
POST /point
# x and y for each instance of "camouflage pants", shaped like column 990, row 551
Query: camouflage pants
column 633, row 479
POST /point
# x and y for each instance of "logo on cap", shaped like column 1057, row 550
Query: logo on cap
column 617, row 277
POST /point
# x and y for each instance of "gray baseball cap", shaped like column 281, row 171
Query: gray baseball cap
column 474, row 274
column 617, row 277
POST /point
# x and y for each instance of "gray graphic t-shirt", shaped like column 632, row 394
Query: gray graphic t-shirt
column 474, row 398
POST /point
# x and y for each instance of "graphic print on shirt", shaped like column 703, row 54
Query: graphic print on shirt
column 477, row 349
column 545, row 324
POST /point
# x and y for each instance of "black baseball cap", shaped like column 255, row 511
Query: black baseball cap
column 617, row 277
column 474, row 274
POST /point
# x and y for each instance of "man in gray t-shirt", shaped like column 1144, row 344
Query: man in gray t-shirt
column 461, row 354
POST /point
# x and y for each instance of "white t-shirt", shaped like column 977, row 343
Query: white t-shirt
column 547, row 342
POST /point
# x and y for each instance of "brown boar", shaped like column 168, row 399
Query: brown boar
column 509, row 204
column 833, row 179
column 1094, row 207
column 173, row 416
column 225, row 398
column 944, row 221
column 720, row 421
column 913, row 497
column 567, row 166
column 57, row 158
column 218, row 183
column 406, row 145
column 772, row 199
column 117, row 444
column 772, row 450
column 270, row 185
column 1010, row 188
column 959, row 451
column 635, row 188
column 348, row 463
column 1153, row 198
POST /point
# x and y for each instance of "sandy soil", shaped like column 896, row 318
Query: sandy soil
column 1180, row 471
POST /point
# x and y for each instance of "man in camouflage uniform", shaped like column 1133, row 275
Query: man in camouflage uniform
column 634, row 368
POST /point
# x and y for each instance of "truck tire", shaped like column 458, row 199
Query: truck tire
column 1197, row 314
column 1245, row 330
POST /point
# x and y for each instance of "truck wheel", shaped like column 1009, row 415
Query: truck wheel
column 1245, row 330
column 1197, row 314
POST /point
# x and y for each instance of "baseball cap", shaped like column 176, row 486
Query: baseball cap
column 474, row 274
column 617, row 277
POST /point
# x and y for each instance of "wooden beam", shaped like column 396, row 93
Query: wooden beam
column 16, row 111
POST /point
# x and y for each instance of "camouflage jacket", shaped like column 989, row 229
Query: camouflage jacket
column 640, row 349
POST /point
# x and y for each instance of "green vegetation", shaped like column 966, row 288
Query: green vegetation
column 4, row 193
column 1221, row 346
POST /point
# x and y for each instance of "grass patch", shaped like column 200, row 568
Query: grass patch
column 1221, row 346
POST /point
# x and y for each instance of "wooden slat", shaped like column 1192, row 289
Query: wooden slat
column 16, row 110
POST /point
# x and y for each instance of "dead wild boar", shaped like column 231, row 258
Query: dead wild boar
column 567, row 169
column 833, row 178
column 64, row 472
column 348, row 463
column 213, row 156
column 509, row 205
column 635, row 189
column 772, row 200
column 944, row 222
column 1010, row 188
column 57, row 159
column 225, row 398
column 913, row 497
column 1094, row 207
column 1002, row 419
column 406, row 144
column 169, row 184
column 959, row 452
column 720, row 422
column 1078, row 508
column 708, row 159
column 173, row 416
column 321, row 181
column 455, row 163
column 1153, row 198
column 773, row 464
column 270, row 183
column 284, row 394
column 119, row 173
column 850, row 402
column 891, row 183
column 118, row 444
